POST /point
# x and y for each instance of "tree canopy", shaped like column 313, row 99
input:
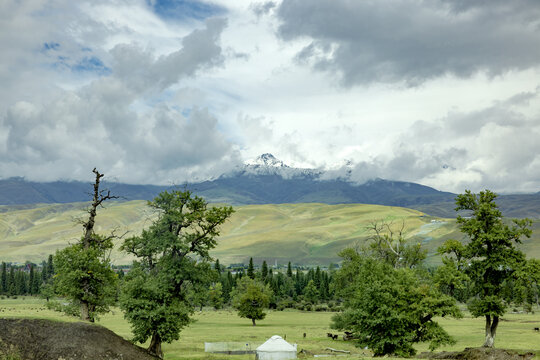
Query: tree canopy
column 491, row 255
column 251, row 298
column 172, row 262
column 389, row 309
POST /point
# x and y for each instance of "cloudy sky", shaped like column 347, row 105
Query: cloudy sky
column 441, row 92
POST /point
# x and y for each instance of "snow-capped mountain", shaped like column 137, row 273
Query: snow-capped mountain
column 266, row 160
column 268, row 180
column 268, row 165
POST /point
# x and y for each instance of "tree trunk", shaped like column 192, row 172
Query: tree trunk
column 85, row 311
column 253, row 321
column 155, row 346
column 96, row 201
column 491, row 331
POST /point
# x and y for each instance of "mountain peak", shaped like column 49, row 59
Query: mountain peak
column 266, row 159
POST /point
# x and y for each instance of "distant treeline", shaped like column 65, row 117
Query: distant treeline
column 299, row 288
column 27, row 279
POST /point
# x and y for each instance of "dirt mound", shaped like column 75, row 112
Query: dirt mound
column 480, row 354
column 33, row 339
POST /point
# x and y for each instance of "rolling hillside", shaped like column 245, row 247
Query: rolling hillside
column 32, row 232
column 300, row 233
column 252, row 189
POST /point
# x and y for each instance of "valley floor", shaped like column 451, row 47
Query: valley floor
column 516, row 331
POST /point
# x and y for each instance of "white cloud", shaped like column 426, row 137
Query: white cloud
column 149, row 99
column 97, row 124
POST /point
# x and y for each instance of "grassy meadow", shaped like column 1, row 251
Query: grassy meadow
column 515, row 331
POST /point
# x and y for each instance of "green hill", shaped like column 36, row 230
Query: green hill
column 300, row 233
column 32, row 232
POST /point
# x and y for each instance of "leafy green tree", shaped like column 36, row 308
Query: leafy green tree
column 198, row 291
column 20, row 282
column 227, row 283
column 172, row 259
column 451, row 277
column 286, row 287
column 492, row 255
column 527, row 284
column 3, row 279
column 50, row 267
column 86, row 278
column 264, row 271
column 47, row 291
column 11, row 284
column 46, row 287
column 299, row 282
column 323, row 290
column 215, row 295
column 289, row 270
column 120, row 274
column 451, row 280
column 33, row 281
column 84, row 270
column 251, row 269
column 250, row 298
column 389, row 309
column 311, row 293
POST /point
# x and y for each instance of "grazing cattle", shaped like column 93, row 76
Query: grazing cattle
column 536, row 329
column 329, row 335
column 304, row 335
column 334, row 337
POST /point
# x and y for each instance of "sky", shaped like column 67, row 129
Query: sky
column 444, row 93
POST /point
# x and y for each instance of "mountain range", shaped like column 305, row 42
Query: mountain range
column 267, row 180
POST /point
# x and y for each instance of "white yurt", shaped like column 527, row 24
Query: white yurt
column 276, row 348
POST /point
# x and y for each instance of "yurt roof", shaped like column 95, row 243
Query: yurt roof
column 276, row 343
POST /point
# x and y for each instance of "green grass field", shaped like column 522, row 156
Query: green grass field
column 515, row 331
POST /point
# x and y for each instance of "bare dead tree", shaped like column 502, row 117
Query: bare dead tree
column 99, row 196
column 388, row 243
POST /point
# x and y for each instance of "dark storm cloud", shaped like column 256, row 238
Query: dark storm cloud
column 408, row 41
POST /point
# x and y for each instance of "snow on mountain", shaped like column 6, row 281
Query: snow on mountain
column 268, row 164
column 266, row 160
